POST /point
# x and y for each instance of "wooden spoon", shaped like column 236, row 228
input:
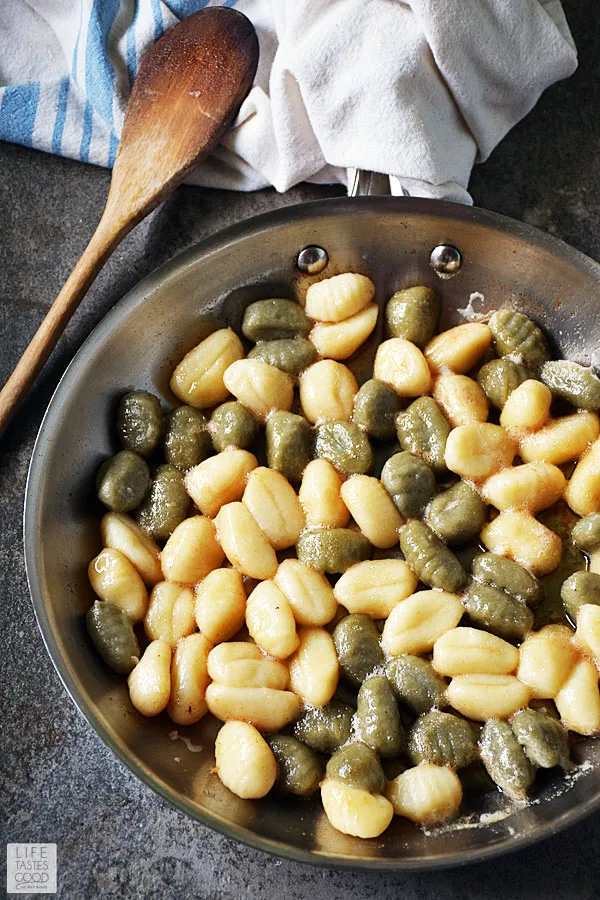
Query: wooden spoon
column 188, row 90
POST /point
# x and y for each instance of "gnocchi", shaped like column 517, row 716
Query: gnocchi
column 583, row 490
column 257, row 776
column 314, row 667
column 170, row 614
column 518, row 535
column 275, row 507
column 270, row 620
column 120, row 532
column 426, row 794
column 244, row 543
column 189, row 680
column 372, row 509
column 459, row 348
column 308, row 592
column 198, row 379
column 402, row 365
column 259, row 387
column 415, row 624
column 532, row 486
column 339, row 340
column 338, row 298
column 461, row 398
column 320, row 495
column 355, row 811
column 478, row 450
column 279, row 598
column 374, row 587
column 115, row 579
column 240, row 664
column 220, row 479
column 192, row 551
column 482, row 697
column 562, row 440
column 527, row 407
column 150, row 682
column 327, row 391
column 220, row 606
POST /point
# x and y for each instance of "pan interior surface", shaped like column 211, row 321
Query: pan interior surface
column 137, row 345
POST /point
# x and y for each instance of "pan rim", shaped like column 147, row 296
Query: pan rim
column 137, row 296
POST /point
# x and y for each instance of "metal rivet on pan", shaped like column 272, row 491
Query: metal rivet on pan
column 446, row 260
column 312, row 260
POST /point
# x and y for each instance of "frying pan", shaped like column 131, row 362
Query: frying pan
column 501, row 261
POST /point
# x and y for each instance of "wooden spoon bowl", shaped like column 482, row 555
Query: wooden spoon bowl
column 189, row 88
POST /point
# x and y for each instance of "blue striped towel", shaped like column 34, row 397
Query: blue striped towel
column 418, row 89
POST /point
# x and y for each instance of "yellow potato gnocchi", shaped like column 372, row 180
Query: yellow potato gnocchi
column 340, row 297
column 267, row 709
column 170, row 614
column 527, row 407
column 374, row 587
column 547, row 658
column 373, row 510
column 583, row 490
column 426, row 794
column 198, row 379
column 115, row 579
column 239, row 740
column 470, row 651
column 415, row 624
column 320, row 495
column 355, row 811
column 275, row 506
column 220, row 479
column 244, row 543
column 327, row 391
column 189, row 680
column 150, row 682
column 192, row 551
column 562, row 440
column 241, row 664
column 578, row 701
column 339, row 340
column 459, row 348
column 308, row 592
column 120, row 532
column 270, row 620
column 220, row 606
column 478, row 450
column 517, row 535
column 482, row 697
column 532, row 486
column 314, row 667
column 461, row 398
column 401, row 364
column 259, row 387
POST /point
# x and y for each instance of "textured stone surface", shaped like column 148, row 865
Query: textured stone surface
column 115, row 838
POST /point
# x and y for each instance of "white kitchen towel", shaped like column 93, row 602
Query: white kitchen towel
column 418, row 90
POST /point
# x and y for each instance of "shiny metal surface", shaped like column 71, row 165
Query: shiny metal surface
column 370, row 184
column 504, row 262
column 312, row 260
column 445, row 260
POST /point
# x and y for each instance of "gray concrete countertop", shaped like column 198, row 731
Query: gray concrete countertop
column 58, row 783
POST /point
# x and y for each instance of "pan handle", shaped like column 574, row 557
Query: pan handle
column 368, row 184
column 371, row 184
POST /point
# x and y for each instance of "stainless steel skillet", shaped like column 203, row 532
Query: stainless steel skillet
column 137, row 344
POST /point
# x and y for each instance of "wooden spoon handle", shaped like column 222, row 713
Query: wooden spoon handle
column 103, row 242
column 187, row 91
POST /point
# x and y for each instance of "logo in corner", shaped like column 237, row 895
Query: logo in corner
column 31, row 868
